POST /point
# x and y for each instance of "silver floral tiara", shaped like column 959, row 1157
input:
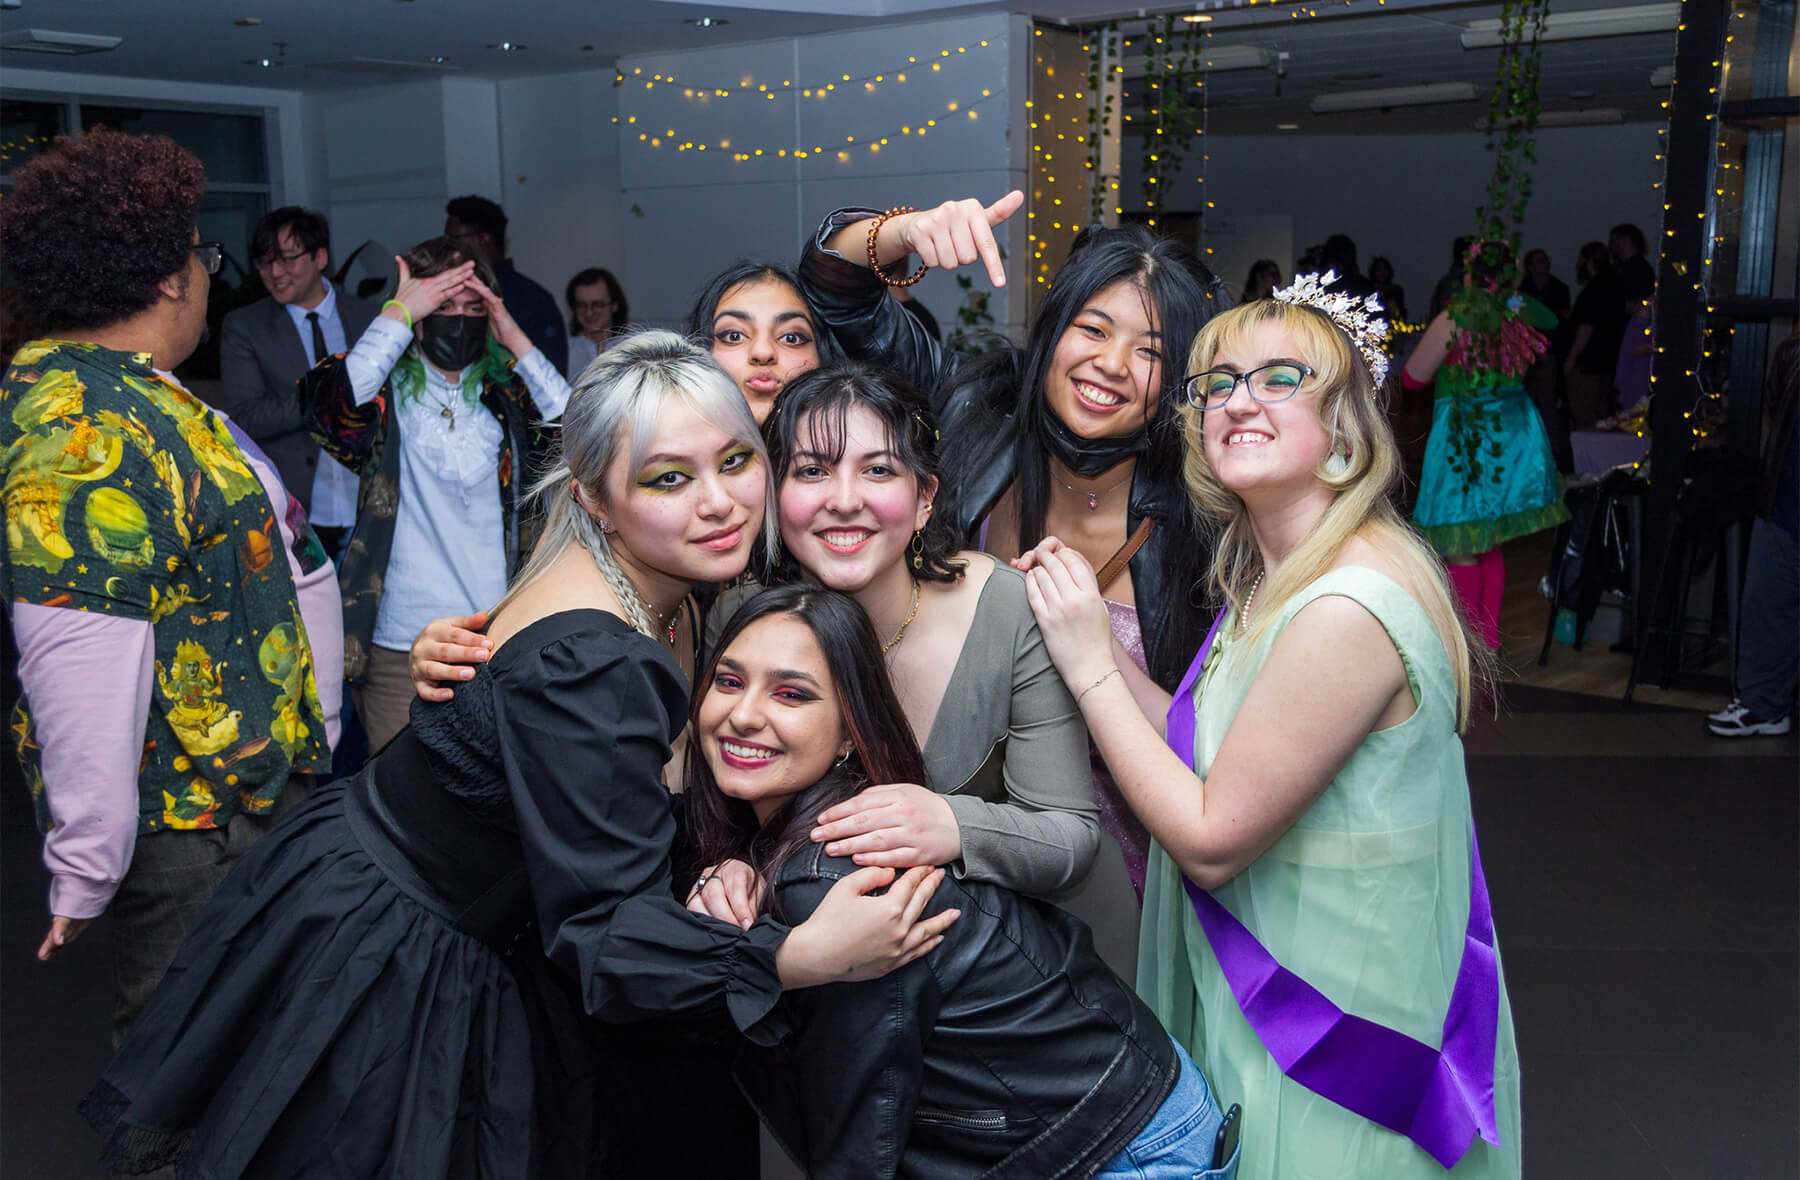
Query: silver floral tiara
column 1358, row 315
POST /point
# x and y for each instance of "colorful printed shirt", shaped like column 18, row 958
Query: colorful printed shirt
column 126, row 495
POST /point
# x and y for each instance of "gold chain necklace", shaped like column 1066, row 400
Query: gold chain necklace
column 1244, row 614
column 910, row 616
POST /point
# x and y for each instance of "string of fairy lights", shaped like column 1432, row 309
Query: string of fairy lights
column 746, row 88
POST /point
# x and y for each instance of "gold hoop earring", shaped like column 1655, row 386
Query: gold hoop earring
column 918, row 550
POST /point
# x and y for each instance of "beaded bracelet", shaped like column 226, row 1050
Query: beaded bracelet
column 403, row 311
column 874, row 259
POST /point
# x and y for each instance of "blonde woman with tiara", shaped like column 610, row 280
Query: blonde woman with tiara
column 1316, row 927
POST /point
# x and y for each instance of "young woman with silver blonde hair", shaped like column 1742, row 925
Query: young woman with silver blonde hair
column 398, row 971
column 1316, row 925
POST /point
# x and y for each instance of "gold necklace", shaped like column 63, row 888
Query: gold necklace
column 1244, row 614
column 910, row 616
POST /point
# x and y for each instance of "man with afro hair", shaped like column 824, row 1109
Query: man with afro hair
column 177, row 621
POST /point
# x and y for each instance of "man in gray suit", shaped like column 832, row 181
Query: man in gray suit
column 267, row 347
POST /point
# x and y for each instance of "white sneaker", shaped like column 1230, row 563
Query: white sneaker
column 1729, row 714
column 1744, row 723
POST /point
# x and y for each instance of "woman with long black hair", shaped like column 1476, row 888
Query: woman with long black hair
column 1013, row 1051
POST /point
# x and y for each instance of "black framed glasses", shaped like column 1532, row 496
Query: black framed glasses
column 270, row 262
column 212, row 255
column 1267, row 384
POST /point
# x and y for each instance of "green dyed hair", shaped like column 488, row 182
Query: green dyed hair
column 435, row 256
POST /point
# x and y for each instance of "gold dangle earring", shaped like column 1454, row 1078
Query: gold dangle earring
column 918, row 550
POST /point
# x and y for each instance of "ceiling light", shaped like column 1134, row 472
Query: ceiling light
column 708, row 22
column 51, row 41
column 1578, row 26
column 1594, row 116
column 1662, row 77
column 1234, row 57
column 506, row 46
column 1392, row 96
column 1287, row 126
column 438, row 59
column 267, row 63
column 1197, row 18
column 247, row 22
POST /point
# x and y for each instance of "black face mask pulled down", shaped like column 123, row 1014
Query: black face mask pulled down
column 1088, row 457
column 453, row 342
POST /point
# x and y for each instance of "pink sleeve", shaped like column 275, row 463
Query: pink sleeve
column 87, row 679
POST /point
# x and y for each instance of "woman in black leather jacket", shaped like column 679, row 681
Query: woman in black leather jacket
column 1073, row 436
column 1010, row 1050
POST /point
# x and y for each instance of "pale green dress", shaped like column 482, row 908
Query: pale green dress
column 1366, row 898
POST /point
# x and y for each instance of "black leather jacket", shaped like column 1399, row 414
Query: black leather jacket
column 1173, row 613
column 1010, row 1052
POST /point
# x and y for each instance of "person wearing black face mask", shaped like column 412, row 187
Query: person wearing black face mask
column 440, row 409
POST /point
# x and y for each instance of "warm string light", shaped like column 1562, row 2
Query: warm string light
column 747, row 87
column 958, row 110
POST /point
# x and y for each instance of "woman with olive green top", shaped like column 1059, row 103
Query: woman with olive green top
column 1009, row 798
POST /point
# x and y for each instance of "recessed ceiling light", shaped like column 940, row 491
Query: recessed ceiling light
column 587, row 49
column 266, row 63
column 247, row 22
column 438, row 59
column 1287, row 126
column 1197, row 18
column 506, row 46
column 708, row 22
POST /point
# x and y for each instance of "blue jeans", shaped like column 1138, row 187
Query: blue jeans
column 1769, row 622
column 1178, row 1142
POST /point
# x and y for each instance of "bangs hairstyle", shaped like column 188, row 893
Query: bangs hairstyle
column 622, row 395
column 815, row 409
column 882, row 746
column 1350, row 407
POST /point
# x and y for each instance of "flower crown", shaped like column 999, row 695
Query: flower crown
column 1357, row 315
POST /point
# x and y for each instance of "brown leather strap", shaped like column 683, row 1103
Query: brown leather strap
column 1115, row 565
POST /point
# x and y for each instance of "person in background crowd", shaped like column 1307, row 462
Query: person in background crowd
column 477, row 227
column 439, row 409
column 1315, row 856
column 1489, row 474
column 1392, row 294
column 1014, row 1017
column 1452, row 280
column 1338, row 254
column 1544, row 381
column 760, row 328
column 1598, row 318
column 393, row 983
column 597, row 311
column 268, row 346
column 1637, row 278
column 178, row 631
column 1260, row 283
column 1768, row 644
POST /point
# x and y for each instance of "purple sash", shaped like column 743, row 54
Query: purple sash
column 1438, row 1099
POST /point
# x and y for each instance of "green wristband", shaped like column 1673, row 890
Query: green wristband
column 403, row 311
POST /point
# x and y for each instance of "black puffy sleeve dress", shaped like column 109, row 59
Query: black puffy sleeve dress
column 391, row 983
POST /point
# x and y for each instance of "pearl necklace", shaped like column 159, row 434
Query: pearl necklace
column 1244, row 614
column 910, row 616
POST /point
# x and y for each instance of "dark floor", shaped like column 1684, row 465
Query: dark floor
column 1646, row 886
